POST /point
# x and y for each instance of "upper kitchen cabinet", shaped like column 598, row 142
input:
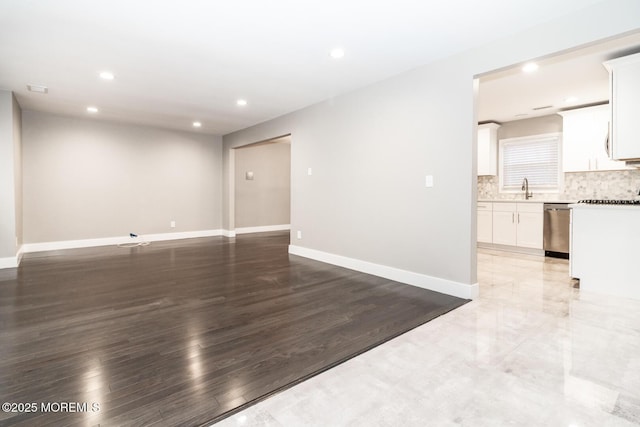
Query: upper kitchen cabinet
column 488, row 149
column 624, row 78
column 584, row 134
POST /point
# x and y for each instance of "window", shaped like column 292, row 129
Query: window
column 536, row 158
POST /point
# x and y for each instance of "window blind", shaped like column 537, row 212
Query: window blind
column 536, row 159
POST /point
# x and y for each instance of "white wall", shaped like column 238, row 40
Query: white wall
column 551, row 123
column 264, row 200
column 10, row 201
column 87, row 179
column 17, row 168
column 366, row 203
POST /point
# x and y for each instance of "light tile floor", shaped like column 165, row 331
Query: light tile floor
column 530, row 351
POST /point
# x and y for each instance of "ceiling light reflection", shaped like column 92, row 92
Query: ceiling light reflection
column 94, row 387
column 195, row 363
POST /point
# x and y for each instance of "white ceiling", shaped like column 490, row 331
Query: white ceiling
column 180, row 61
column 514, row 95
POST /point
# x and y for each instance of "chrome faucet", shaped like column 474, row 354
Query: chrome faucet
column 525, row 188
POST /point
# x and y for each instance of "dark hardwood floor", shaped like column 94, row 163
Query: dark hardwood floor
column 184, row 332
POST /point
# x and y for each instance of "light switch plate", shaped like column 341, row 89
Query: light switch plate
column 309, row 171
column 428, row 182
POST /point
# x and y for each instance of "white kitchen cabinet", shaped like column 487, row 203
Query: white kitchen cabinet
column 504, row 224
column 529, row 220
column 584, row 133
column 518, row 224
column 488, row 149
column 485, row 222
column 624, row 86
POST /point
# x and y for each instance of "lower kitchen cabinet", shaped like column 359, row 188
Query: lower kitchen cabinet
column 516, row 224
column 504, row 224
column 530, row 218
column 485, row 222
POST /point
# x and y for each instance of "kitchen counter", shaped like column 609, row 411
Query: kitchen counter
column 524, row 201
column 604, row 207
column 604, row 253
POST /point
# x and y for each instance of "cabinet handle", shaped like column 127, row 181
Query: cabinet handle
column 518, row 217
column 513, row 218
column 596, row 164
column 589, row 164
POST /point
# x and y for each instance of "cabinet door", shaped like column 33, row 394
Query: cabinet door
column 625, row 100
column 584, row 133
column 504, row 228
column 599, row 129
column 485, row 226
column 488, row 149
column 577, row 150
column 530, row 229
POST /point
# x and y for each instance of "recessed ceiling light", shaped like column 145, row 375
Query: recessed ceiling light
column 197, row 124
column 107, row 75
column 530, row 67
column 38, row 88
column 92, row 110
column 571, row 100
column 241, row 102
column 337, row 53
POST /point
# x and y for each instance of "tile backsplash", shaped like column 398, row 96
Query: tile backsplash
column 577, row 185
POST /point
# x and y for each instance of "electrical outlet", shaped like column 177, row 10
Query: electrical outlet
column 172, row 224
column 309, row 171
column 299, row 234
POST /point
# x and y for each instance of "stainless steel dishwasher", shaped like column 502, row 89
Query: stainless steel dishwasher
column 557, row 224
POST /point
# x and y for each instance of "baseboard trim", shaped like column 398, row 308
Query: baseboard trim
column 424, row 281
column 228, row 233
column 514, row 249
column 262, row 229
column 9, row 262
column 107, row 241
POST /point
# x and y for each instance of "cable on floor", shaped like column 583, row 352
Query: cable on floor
column 140, row 242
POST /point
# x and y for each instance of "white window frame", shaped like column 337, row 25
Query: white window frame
column 526, row 139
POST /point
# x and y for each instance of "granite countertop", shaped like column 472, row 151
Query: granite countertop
column 593, row 206
column 524, row 201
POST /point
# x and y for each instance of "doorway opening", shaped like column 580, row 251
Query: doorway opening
column 568, row 94
column 262, row 190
